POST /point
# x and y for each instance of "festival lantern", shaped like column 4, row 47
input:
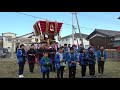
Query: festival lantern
column 51, row 29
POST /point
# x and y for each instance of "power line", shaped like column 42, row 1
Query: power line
column 49, row 20
column 30, row 15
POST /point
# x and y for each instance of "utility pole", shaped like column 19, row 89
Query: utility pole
column 73, row 28
column 75, row 33
column 12, row 50
column 79, row 30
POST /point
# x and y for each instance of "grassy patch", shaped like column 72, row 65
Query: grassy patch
column 9, row 69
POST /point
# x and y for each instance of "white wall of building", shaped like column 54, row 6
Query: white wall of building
column 65, row 41
column 69, row 41
column 6, row 42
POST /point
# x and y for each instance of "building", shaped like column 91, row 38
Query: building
column 116, row 43
column 29, row 35
column 100, row 37
column 68, row 40
column 1, row 41
column 6, row 38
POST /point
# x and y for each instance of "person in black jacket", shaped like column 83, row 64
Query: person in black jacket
column 31, row 58
column 40, row 52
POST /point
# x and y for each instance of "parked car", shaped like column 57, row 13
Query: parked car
column 3, row 52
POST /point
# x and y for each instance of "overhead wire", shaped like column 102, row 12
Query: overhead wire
column 49, row 20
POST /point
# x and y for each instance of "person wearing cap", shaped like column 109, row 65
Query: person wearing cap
column 45, row 64
column 31, row 58
column 21, row 57
column 101, row 58
column 72, row 61
column 60, row 59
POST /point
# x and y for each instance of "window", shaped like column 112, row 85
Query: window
column 6, row 39
column 66, row 39
column 62, row 40
column 9, row 40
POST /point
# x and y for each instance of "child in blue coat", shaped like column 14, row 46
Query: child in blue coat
column 91, row 62
column 72, row 61
column 101, row 58
column 45, row 64
column 83, row 60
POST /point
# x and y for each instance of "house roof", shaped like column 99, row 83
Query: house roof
column 77, row 35
column 26, row 35
column 8, row 32
column 108, row 33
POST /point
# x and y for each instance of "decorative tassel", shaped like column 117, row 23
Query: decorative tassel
column 59, row 37
column 47, row 25
column 38, row 30
column 41, row 37
column 56, row 26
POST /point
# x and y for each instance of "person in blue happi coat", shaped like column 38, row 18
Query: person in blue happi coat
column 66, row 49
column 75, row 49
column 83, row 60
column 72, row 61
column 101, row 58
column 21, row 57
column 80, row 48
column 91, row 61
column 60, row 59
column 91, row 46
column 45, row 63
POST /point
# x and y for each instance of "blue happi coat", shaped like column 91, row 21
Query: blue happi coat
column 99, row 55
column 70, row 58
column 57, row 59
column 43, row 64
column 19, row 55
column 83, row 59
column 91, row 58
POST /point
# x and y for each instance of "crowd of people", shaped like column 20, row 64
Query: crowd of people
column 54, row 59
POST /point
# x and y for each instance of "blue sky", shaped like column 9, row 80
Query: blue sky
column 21, row 24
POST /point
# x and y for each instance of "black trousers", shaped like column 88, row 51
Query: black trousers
column 46, row 73
column 83, row 70
column 21, row 67
column 101, row 67
column 52, row 67
column 31, row 67
column 60, row 72
column 92, row 69
column 72, row 71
